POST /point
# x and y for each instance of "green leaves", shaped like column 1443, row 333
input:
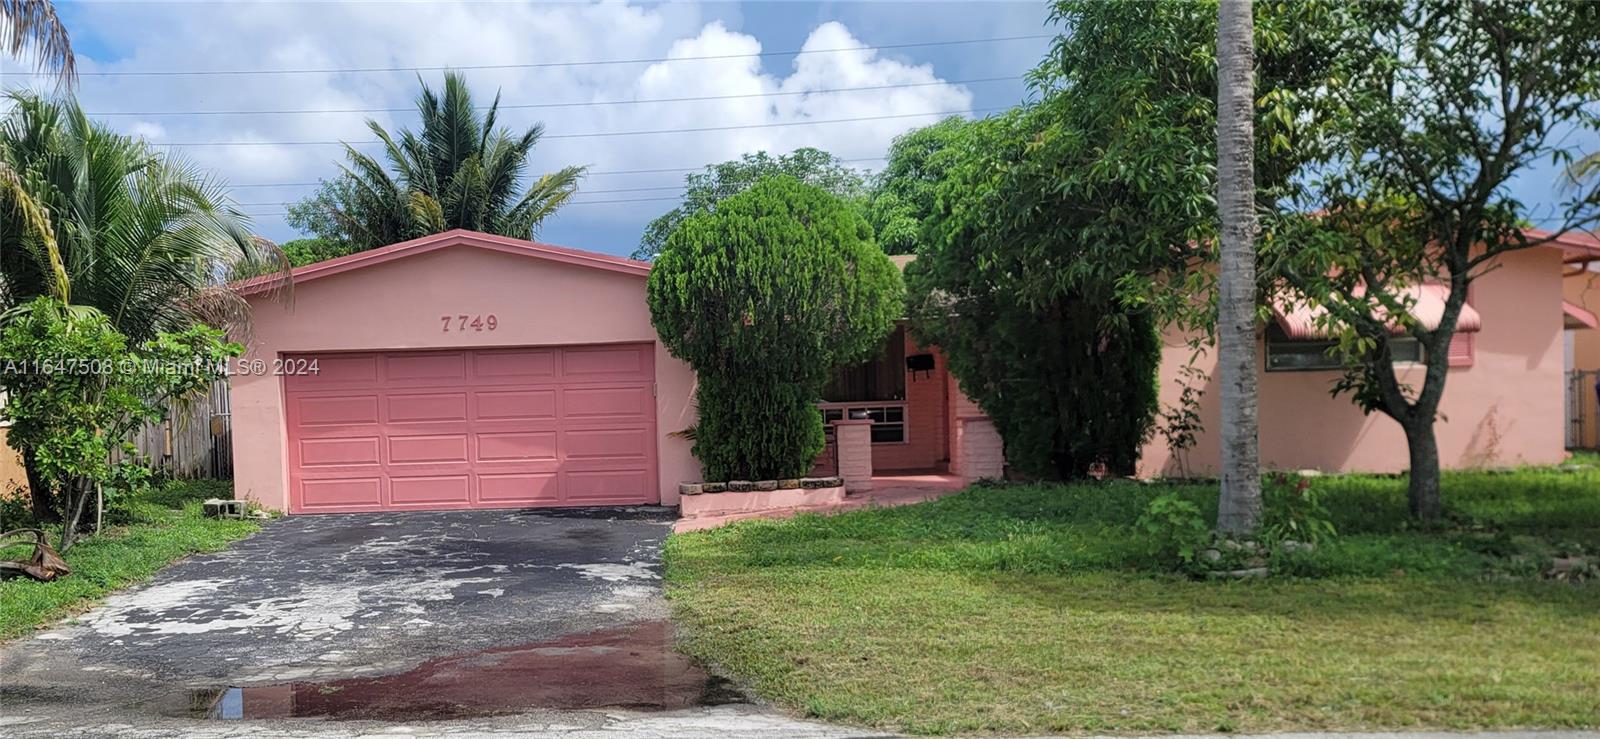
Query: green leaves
column 457, row 171
column 764, row 296
column 75, row 389
column 704, row 189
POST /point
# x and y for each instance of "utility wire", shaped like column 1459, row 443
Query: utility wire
column 580, row 192
column 609, row 134
column 663, row 170
column 541, row 65
column 574, row 202
column 582, row 104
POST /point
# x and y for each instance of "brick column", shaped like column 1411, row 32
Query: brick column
column 853, row 438
column 979, row 450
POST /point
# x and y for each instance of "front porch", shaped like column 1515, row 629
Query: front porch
column 922, row 423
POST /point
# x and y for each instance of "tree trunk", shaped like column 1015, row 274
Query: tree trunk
column 1427, row 505
column 1239, row 510
column 40, row 499
column 77, row 498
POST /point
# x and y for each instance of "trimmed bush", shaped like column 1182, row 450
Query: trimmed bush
column 764, row 296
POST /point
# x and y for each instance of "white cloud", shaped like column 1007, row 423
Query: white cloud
column 152, row 36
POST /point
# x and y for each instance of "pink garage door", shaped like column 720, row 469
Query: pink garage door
column 487, row 428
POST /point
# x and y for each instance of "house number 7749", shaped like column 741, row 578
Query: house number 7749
column 465, row 322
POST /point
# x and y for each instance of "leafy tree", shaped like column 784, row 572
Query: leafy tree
column 703, row 190
column 1067, row 372
column 1402, row 123
column 903, row 193
column 142, row 237
column 301, row 252
column 75, row 390
column 1239, row 508
column 764, row 296
column 1452, row 102
column 458, row 171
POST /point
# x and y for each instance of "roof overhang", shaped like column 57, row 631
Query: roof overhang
column 1304, row 322
column 1577, row 247
column 453, row 238
column 1575, row 316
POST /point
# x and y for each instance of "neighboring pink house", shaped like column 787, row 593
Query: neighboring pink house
column 464, row 370
column 1503, row 401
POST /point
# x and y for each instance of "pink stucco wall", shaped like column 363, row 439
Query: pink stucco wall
column 397, row 305
column 1505, row 409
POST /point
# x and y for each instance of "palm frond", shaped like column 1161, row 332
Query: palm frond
column 33, row 25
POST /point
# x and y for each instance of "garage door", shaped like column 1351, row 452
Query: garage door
column 490, row 428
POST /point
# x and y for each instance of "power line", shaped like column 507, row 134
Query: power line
column 583, row 104
column 574, row 202
column 663, row 170
column 541, row 65
column 580, row 192
column 609, row 134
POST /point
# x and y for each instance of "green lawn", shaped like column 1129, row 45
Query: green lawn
column 1036, row 609
column 158, row 530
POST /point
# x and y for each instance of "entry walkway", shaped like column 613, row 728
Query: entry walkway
column 887, row 491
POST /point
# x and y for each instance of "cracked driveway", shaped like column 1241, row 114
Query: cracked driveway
column 337, row 599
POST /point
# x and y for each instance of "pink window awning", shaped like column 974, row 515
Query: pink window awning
column 1577, row 317
column 1301, row 322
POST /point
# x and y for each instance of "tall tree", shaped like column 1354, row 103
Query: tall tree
column 1239, row 509
column 458, row 171
column 764, row 297
column 903, row 194
column 1447, row 103
column 703, row 190
column 140, row 236
column 33, row 26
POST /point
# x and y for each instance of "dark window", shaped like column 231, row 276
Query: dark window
column 1289, row 355
column 881, row 378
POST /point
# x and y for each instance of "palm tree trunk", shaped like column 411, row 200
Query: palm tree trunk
column 1239, row 510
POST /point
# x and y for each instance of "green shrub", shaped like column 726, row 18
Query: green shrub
column 75, row 390
column 1175, row 529
column 1020, row 303
column 764, row 296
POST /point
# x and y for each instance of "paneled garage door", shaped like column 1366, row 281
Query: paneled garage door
column 488, row 428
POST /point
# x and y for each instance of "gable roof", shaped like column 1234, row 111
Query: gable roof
column 454, row 237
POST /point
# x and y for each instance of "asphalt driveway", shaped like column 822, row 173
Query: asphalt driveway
column 375, row 617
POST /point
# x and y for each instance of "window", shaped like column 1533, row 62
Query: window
column 888, row 421
column 1288, row 355
column 878, row 379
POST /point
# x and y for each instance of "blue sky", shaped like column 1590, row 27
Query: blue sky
column 144, row 36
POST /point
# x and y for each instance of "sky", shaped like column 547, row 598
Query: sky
column 583, row 106
column 265, row 171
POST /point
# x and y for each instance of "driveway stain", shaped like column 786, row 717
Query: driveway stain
column 632, row 667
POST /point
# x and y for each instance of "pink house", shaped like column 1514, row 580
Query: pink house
column 1503, row 401
column 463, row 370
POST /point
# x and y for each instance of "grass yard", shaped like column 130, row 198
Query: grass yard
column 1035, row 609
column 161, row 528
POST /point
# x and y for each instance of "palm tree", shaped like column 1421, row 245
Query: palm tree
column 33, row 24
column 141, row 236
column 458, row 171
column 110, row 226
column 1239, row 509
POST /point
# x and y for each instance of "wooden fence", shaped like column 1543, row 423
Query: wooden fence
column 196, row 441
